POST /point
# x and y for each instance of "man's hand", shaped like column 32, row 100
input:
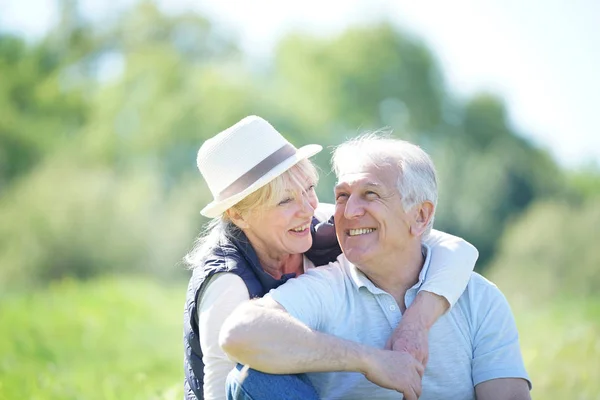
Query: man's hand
column 395, row 370
column 411, row 338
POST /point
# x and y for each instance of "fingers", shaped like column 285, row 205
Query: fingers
column 416, row 382
column 418, row 388
column 388, row 344
column 413, row 389
column 420, row 370
column 425, row 350
column 410, row 395
column 419, row 356
column 413, row 393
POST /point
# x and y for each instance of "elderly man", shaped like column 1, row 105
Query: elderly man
column 333, row 323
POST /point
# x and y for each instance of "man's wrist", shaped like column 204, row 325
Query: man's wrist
column 363, row 358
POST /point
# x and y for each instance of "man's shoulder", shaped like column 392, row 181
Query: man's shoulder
column 481, row 296
column 481, row 286
column 478, row 280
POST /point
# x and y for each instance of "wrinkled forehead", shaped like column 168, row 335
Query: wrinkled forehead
column 356, row 179
column 368, row 174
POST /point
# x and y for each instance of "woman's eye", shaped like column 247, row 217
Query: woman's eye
column 285, row 201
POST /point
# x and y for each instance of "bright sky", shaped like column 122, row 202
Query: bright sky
column 541, row 56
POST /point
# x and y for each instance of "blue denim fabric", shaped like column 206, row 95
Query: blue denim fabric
column 257, row 385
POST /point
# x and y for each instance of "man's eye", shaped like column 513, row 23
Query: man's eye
column 341, row 197
column 371, row 193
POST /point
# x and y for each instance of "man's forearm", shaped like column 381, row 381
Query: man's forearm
column 503, row 389
column 270, row 340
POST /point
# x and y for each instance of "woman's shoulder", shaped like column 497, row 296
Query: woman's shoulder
column 224, row 286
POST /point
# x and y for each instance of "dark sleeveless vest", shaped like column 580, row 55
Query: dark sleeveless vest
column 234, row 254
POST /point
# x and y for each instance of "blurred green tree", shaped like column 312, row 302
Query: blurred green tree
column 489, row 174
column 377, row 76
column 95, row 109
column 551, row 253
column 38, row 111
column 120, row 193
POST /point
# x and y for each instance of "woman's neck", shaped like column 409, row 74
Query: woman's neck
column 278, row 266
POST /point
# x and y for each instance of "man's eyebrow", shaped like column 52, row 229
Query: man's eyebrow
column 342, row 185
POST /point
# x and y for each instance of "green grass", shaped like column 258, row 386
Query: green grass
column 561, row 348
column 104, row 339
column 121, row 339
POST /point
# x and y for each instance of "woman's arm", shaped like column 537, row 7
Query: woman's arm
column 452, row 261
column 223, row 293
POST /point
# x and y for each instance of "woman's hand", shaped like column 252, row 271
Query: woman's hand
column 411, row 338
column 412, row 334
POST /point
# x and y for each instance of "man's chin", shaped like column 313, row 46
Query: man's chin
column 354, row 255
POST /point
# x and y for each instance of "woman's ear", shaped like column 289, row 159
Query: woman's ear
column 424, row 213
column 237, row 218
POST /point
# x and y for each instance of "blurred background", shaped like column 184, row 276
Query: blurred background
column 103, row 106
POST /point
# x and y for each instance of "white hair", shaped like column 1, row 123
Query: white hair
column 417, row 181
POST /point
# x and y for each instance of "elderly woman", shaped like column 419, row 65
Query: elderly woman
column 266, row 229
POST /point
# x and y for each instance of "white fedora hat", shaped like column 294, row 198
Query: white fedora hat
column 244, row 158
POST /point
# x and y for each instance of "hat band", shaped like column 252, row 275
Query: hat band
column 257, row 172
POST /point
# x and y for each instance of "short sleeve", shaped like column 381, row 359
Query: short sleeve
column 312, row 298
column 222, row 294
column 452, row 261
column 496, row 349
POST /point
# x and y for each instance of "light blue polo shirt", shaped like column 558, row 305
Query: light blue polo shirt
column 475, row 341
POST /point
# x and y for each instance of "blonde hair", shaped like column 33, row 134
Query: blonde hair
column 291, row 183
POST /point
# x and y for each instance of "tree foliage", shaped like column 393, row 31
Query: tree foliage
column 101, row 120
column 551, row 252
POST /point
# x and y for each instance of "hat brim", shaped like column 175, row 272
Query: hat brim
column 216, row 208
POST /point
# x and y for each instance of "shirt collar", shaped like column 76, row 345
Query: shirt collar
column 426, row 251
column 360, row 279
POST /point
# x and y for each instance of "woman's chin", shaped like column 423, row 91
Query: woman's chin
column 304, row 247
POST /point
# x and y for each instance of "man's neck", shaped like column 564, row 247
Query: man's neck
column 397, row 274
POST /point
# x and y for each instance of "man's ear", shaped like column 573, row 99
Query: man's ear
column 423, row 214
column 237, row 218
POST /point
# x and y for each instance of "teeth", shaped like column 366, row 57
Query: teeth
column 301, row 228
column 363, row 231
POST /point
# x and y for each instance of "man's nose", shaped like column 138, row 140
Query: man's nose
column 354, row 208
